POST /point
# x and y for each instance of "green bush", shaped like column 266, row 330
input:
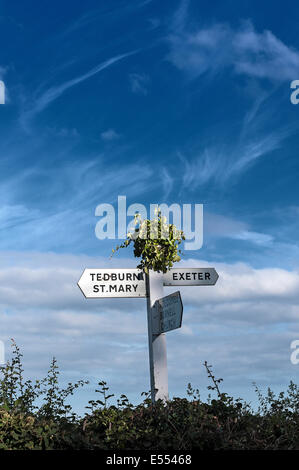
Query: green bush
column 155, row 241
column 181, row 424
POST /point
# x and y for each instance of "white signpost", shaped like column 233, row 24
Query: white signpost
column 99, row 283
column 167, row 313
column 190, row 277
column 163, row 313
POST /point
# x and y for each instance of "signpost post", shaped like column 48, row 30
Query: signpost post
column 163, row 313
column 156, row 342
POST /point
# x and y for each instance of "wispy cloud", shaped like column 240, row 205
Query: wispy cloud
column 52, row 93
column 219, row 165
column 13, row 215
column 261, row 239
column 251, row 139
column 106, row 12
column 219, row 226
column 219, row 46
column 3, row 71
column 73, row 192
column 167, row 181
column 109, row 135
column 139, row 83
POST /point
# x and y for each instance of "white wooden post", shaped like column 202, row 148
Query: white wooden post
column 156, row 343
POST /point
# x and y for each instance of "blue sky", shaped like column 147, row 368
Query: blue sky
column 173, row 101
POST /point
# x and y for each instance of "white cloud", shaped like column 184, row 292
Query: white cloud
column 167, row 182
column 50, row 281
column 109, row 135
column 11, row 215
column 240, row 282
column 64, row 132
column 220, row 226
column 139, row 83
column 246, row 51
column 243, row 325
column 154, row 23
column 3, row 70
column 254, row 237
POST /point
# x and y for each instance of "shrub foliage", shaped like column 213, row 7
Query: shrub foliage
column 35, row 415
column 155, row 241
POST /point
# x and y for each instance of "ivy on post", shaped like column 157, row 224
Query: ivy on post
column 157, row 244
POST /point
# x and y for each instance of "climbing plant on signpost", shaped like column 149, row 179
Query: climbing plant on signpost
column 156, row 242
